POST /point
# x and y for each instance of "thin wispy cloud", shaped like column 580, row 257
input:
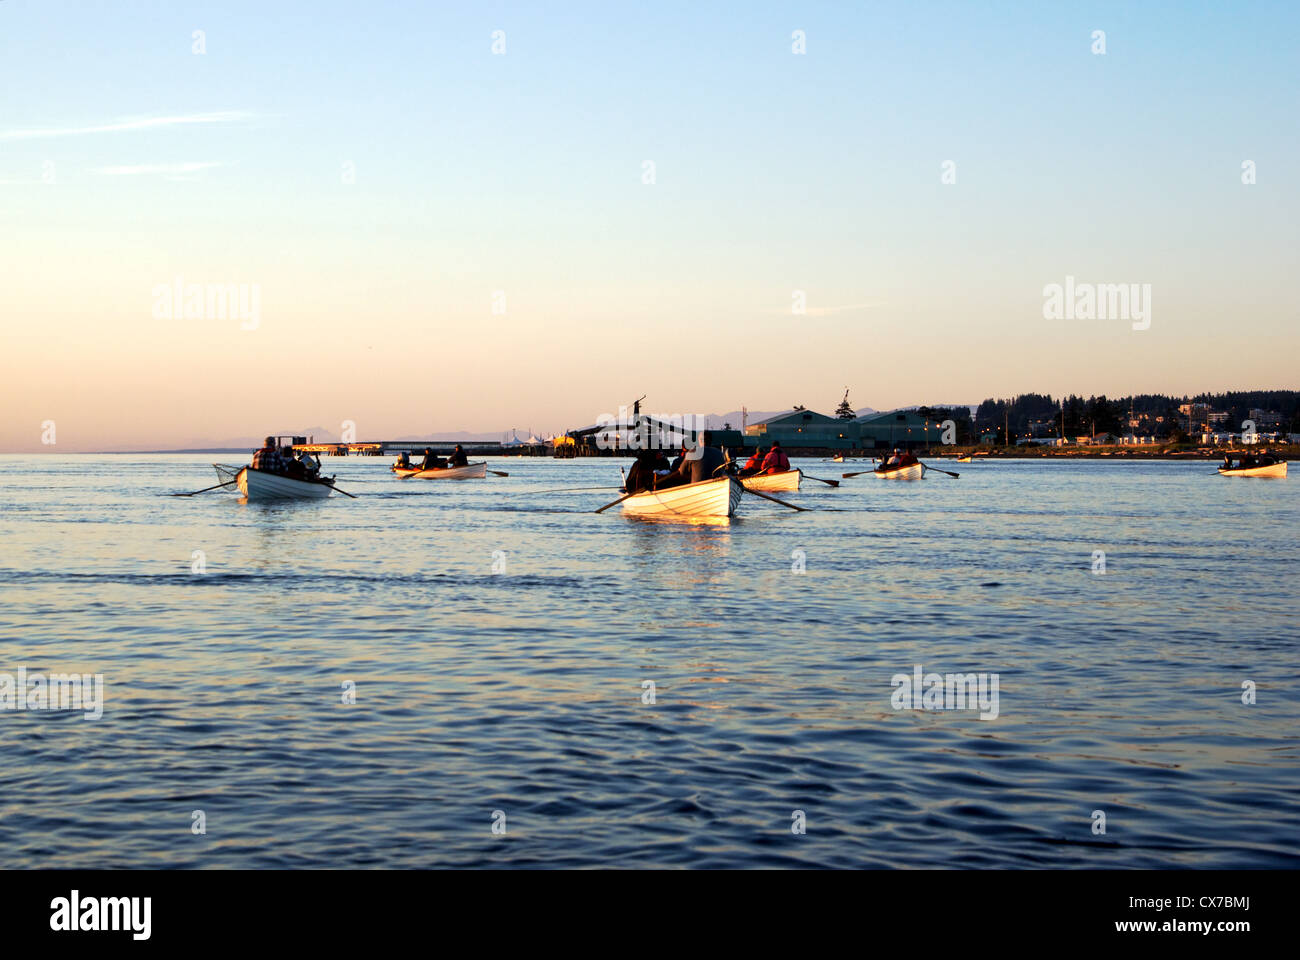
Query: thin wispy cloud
column 170, row 170
column 128, row 125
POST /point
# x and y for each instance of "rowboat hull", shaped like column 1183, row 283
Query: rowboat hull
column 785, row 480
column 1269, row 470
column 913, row 471
column 963, row 459
column 259, row 485
column 474, row 471
column 708, row 498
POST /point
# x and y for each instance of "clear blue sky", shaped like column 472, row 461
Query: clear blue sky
column 523, row 173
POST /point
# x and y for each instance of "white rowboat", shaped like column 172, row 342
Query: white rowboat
column 260, row 485
column 473, row 471
column 767, row 482
column 708, row 498
column 1267, row 470
column 913, row 471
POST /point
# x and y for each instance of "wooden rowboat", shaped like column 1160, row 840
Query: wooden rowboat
column 912, row 471
column 767, row 482
column 1265, row 470
column 260, row 485
column 708, row 498
column 965, row 459
column 473, row 471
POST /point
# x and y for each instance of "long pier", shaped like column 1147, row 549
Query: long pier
column 383, row 448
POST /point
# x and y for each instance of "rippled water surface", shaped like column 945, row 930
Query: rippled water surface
column 521, row 691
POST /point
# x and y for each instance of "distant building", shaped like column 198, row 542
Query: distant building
column 899, row 428
column 803, row 428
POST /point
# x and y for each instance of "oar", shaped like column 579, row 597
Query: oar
column 616, row 502
column 829, row 483
column 499, row 473
column 858, row 474
column 937, row 470
column 766, row 497
column 205, row 489
column 344, row 492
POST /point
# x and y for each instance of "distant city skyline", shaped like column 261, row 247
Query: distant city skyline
column 219, row 223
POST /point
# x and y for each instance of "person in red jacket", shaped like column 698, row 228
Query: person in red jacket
column 776, row 461
column 754, row 464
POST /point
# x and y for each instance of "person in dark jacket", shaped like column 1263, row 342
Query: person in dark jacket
column 458, row 458
column 705, row 462
column 431, row 461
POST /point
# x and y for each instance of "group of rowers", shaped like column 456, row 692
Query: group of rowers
column 652, row 471
column 899, row 458
column 281, row 461
column 432, row 461
column 1262, row 459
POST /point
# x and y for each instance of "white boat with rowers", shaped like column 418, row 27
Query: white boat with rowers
column 708, row 498
column 910, row 471
column 1277, row 468
column 471, row 471
column 768, row 482
column 261, row 485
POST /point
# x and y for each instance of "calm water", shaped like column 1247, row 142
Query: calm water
column 521, row 691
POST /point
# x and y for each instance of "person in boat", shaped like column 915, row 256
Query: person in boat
column 754, row 465
column 776, row 461
column 310, row 465
column 458, row 458
column 268, row 458
column 707, row 464
column 431, row 461
column 641, row 475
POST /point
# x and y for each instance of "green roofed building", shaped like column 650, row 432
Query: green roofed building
column 898, row 428
column 803, row 428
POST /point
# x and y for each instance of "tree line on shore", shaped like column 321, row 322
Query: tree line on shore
column 1156, row 414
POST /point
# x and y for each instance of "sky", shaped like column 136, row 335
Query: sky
column 627, row 200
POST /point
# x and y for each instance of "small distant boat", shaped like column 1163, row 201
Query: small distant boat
column 472, row 471
column 965, row 459
column 909, row 471
column 785, row 480
column 838, row 458
column 708, row 498
column 260, row 485
column 1274, row 469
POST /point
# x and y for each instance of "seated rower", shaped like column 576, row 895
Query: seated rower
column 705, row 462
column 641, row 475
column 776, row 461
column 431, row 461
column 268, row 458
column 754, row 465
column 458, row 458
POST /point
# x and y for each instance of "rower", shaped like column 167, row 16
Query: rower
column 754, row 464
column 431, row 461
column 776, row 461
column 705, row 462
column 641, row 475
column 458, row 458
column 268, row 458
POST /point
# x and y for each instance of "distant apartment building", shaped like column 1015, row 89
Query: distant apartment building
column 1265, row 419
